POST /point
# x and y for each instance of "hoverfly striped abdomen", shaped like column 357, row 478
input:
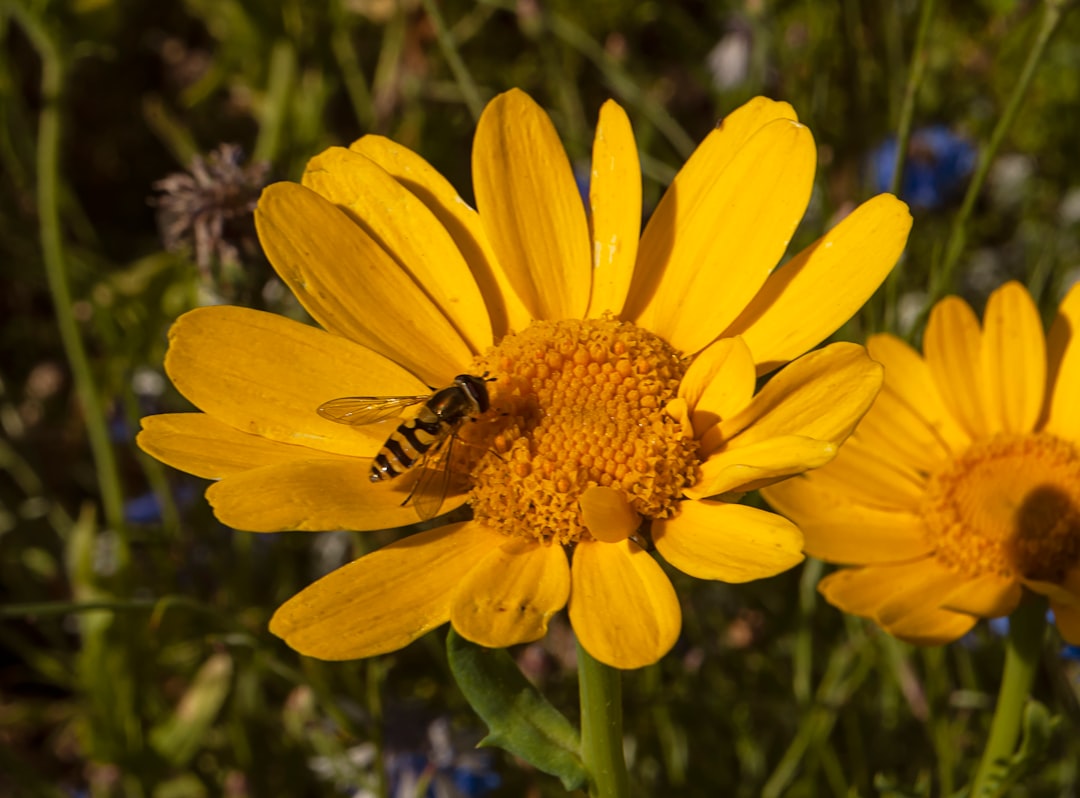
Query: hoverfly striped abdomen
column 410, row 442
column 424, row 440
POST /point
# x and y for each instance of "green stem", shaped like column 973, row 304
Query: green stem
column 274, row 113
column 942, row 280
column 450, row 52
column 352, row 74
column 601, row 727
column 52, row 252
column 1027, row 627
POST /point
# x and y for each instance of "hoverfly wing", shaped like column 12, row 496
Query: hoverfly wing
column 431, row 486
column 358, row 411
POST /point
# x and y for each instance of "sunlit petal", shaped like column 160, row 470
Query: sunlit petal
column 731, row 233
column 313, row 496
column 825, row 284
column 953, row 348
column 738, row 468
column 615, row 210
column 268, row 375
column 837, row 529
column 607, row 514
column 729, row 542
column 908, row 378
column 509, row 596
column 622, row 605
column 201, row 445
column 408, row 231
column 530, row 207
column 505, row 309
column 694, row 181
column 1064, row 377
column 353, row 287
column 386, row 599
column 719, row 383
column 821, row 395
column 1013, row 359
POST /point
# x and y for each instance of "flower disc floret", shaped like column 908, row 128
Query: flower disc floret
column 578, row 404
column 1009, row 505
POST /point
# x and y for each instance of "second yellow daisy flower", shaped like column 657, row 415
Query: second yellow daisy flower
column 961, row 487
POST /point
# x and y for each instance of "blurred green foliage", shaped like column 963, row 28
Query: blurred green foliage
column 134, row 656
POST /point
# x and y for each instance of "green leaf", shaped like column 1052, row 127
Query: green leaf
column 519, row 719
column 1037, row 729
column 180, row 737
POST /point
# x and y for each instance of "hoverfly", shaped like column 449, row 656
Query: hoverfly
column 425, row 441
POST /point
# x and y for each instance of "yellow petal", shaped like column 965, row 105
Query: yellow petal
column 408, row 231
column 530, row 207
column 858, row 472
column 511, row 594
column 737, row 469
column 615, row 204
column 1067, row 620
column 931, row 626
column 1013, row 359
column 1067, row 591
column 208, row 448
column 314, row 496
column 719, row 383
column 924, row 586
column 353, row 287
column 987, row 596
column 898, row 432
column 622, row 605
column 267, row 375
column 718, row 248
column 858, row 591
column 839, row 530
column 1064, row 357
column 462, row 223
column 678, row 410
column 729, row 542
column 952, row 346
column 821, row 395
column 908, row 378
column 904, row 599
column 694, row 180
column 607, row 514
column 818, row 290
column 386, row 599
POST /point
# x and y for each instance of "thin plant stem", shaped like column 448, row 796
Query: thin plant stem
column 803, row 653
column 601, row 727
column 623, row 86
column 448, row 45
column 52, row 251
column 943, row 277
column 279, row 88
column 937, row 720
column 847, row 669
column 903, row 138
column 352, row 74
column 374, row 673
column 1027, row 628
column 914, row 80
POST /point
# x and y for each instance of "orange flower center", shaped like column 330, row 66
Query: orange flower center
column 1008, row 505
column 577, row 404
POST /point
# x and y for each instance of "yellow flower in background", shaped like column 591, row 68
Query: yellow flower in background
column 621, row 376
column 961, row 486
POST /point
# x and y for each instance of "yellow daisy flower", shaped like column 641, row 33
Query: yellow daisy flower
column 961, row 486
column 622, row 375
